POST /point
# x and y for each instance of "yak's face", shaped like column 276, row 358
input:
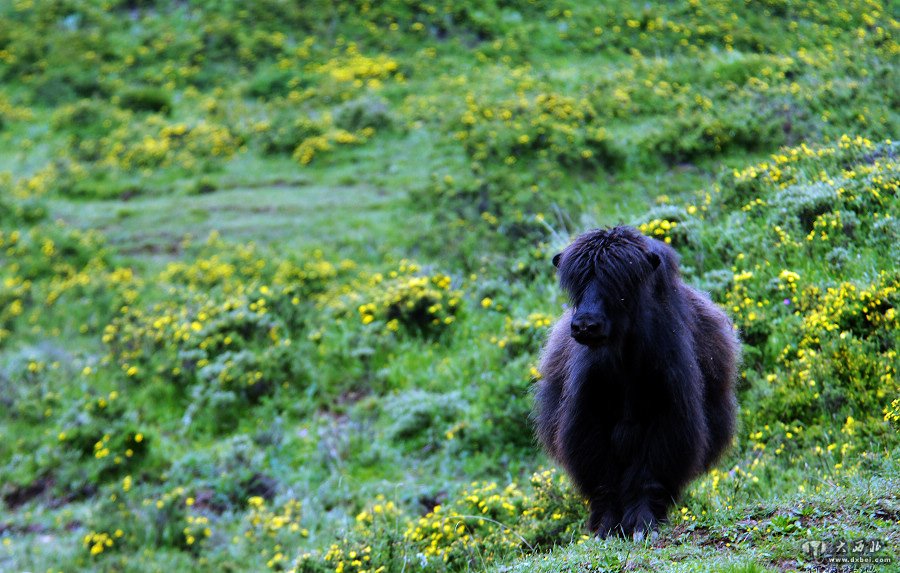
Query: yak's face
column 605, row 273
column 594, row 315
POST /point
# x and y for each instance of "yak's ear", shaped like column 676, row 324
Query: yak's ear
column 556, row 258
column 654, row 259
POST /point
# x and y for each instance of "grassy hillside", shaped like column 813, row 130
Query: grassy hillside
column 274, row 275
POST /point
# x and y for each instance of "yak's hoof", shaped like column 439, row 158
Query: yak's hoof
column 640, row 535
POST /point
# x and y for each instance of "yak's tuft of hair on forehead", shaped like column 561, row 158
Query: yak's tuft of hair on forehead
column 616, row 257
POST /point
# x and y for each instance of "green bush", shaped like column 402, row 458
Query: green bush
column 63, row 85
column 545, row 125
column 421, row 419
column 223, row 477
column 288, row 130
column 358, row 114
column 150, row 99
column 704, row 134
column 819, row 340
column 274, row 82
column 98, row 438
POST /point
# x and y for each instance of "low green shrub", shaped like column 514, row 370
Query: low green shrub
column 146, row 99
column 368, row 111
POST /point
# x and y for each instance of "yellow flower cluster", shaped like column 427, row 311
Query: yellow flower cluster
column 10, row 112
column 382, row 508
column 51, row 264
column 242, row 268
column 842, row 304
column 40, row 182
column 659, row 229
column 483, row 510
column 202, row 272
column 836, row 338
column 174, row 498
column 377, row 521
column 268, row 522
column 479, row 525
column 310, row 147
column 783, row 171
column 523, row 333
column 96, row 542
column 351, row 561
column 405, row 298
column 545, row 125
column 228, row 320
column 196, row 528
column 359, row 70
column 892, row 412
column 158, row 144
column 823, row 225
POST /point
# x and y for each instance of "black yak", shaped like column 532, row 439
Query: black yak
column 636, row 396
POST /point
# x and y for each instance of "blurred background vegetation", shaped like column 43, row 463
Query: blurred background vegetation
column 275, row 274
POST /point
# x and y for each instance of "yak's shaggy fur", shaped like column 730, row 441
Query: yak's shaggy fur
column 643, row 401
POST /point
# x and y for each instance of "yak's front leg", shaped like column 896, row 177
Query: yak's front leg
column 645, row 507
column 670, row 455
column 605, row 515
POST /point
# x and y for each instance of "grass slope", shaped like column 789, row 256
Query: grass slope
column 274, row 276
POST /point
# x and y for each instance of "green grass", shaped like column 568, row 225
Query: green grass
column 294, row 215
column 341, row 207
column 757, row 535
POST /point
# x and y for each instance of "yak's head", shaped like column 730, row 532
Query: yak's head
column 607, row 273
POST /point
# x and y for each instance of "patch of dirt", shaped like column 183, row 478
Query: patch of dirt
column 43, row 489
column 15, row 529
column 267, row 209
column 205, row 499
column 275, row 183
column 20, row 495
column 263, row 486
column 351, row 397
column 165, row 245
column 429, row 502
column 130, row 193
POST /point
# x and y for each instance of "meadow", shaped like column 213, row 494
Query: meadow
column 274, row 276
